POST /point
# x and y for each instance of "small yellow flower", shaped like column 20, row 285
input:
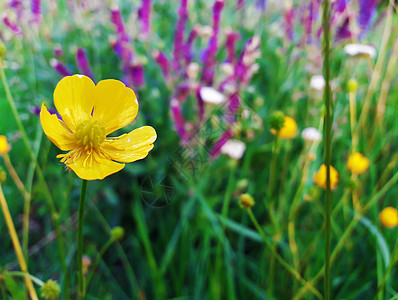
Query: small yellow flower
column 50, row 290
column 4, row 146
column 320, row 177
column 288, row 130
column 352, row 85
column 389, row 217
column 246, row 200
column 357, row 163
column 89, row 114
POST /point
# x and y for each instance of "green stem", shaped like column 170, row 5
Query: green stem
column 23, row 274
column 328, row 137
column 80, row 240
column 275, row 254
column 393, row 261
column 275, row 151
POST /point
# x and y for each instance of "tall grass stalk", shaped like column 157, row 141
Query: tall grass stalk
column 81, row 290
column 328, row 136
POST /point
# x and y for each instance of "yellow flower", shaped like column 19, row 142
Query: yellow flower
column 357, row 163
column 288, row 130
column 4, row 146
column 389, row 217
column 320, row 177
column 246, row 200
column 89, row 114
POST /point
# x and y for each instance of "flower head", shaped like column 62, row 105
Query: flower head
column 288, row 130
column 352, row 85
column 89, row 114
column 357, row 163
column 320, row 177
column 246, row 201
column 389, row 217
column 117, row 233
column 4, row 146
column 234, row 149
column 50, row 290
column 311, row 134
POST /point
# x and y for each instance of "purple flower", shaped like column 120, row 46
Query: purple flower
column 12, row 26
column 162, row 61
column 179, row 34
column 367, row 9
column 201, row 104
column 344, row 32
column 122, row 50
column 37, row 109
column 59, row 67
column 83, row 63
column 144, row 15
column 211, row 51
column 289, row 19
column 261, row 4
column 135, row 74
column 178, row 119
column 36, row 10
column 232, row 37
column 57, row 52
column 117, row 20
column 188, row 46
column 221, row 142
column 240, row 4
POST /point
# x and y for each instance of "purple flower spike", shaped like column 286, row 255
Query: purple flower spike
column 178, row 119
column 367, row 9
column 188, row 47
column 211, row 51
column 289, row 19
column 144, row 15
column 240, row 4
column 201, row 104
column 232, row 37
column 344, row 32
column 162, row 61
column 12, row 26
column 137, row 74
column 82, row 63
column 221, row 142
column 59, row 67
column 122, row 50
column 117, row 20
column 179, row 34
column 58, row 51
column 17, row 6
column 36, row 10
column 233, row 108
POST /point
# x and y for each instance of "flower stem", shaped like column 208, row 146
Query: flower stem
column 328, row 137
column 17, row 245
column 80, row 240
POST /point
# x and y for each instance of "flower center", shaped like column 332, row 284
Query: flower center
column 90, row 134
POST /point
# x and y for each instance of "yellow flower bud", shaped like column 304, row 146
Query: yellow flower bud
column 4, row 146
column 288, row 130
column 246, row 200
column 117, row 233
column 320, row 177
column 389, row 217
column 357, row 163
column 352, row 85
column 50, row 290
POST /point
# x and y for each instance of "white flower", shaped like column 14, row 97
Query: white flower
column 211, row 95
column 193, row 70
column 234, row 149
column 311, row 134
column 360, row 50
column 317, row 82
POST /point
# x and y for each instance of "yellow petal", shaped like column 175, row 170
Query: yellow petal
column 56, row 131
column 96, row 168
column 74, row 98
column 115, row 104
column 133, row 146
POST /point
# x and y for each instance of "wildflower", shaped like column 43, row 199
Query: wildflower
column 91, row 112
column 211, row 95
column 246, row 201
column 117, row 233
column 4, row 146
column 221, row 142
column 320, row 177
column 352, row 85
column 86, row 263
column 311, row 134
column 144, row 15
column 276, row 121
column 234, row 149
column 50, row 290
column 162, row 61
column 59, row 67
column 288, row 130
column 389, row 217
column 357, row 163
column 83, row 63
column 317, row 83
column 358, row 50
